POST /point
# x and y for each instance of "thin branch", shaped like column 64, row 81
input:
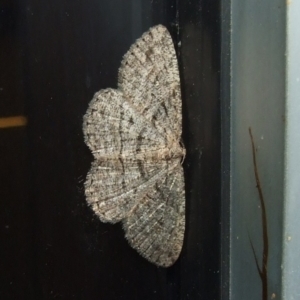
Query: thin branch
column 255, row 257
column 264, row 269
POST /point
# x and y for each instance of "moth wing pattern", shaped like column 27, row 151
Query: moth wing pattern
column 156, row 228
column 149, row 78
column 114, row 187
column 112, row 127
column 134, row 134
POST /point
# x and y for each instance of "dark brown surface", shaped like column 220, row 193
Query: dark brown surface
column 54, row 56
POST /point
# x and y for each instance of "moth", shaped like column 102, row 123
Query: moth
column 134, row 133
